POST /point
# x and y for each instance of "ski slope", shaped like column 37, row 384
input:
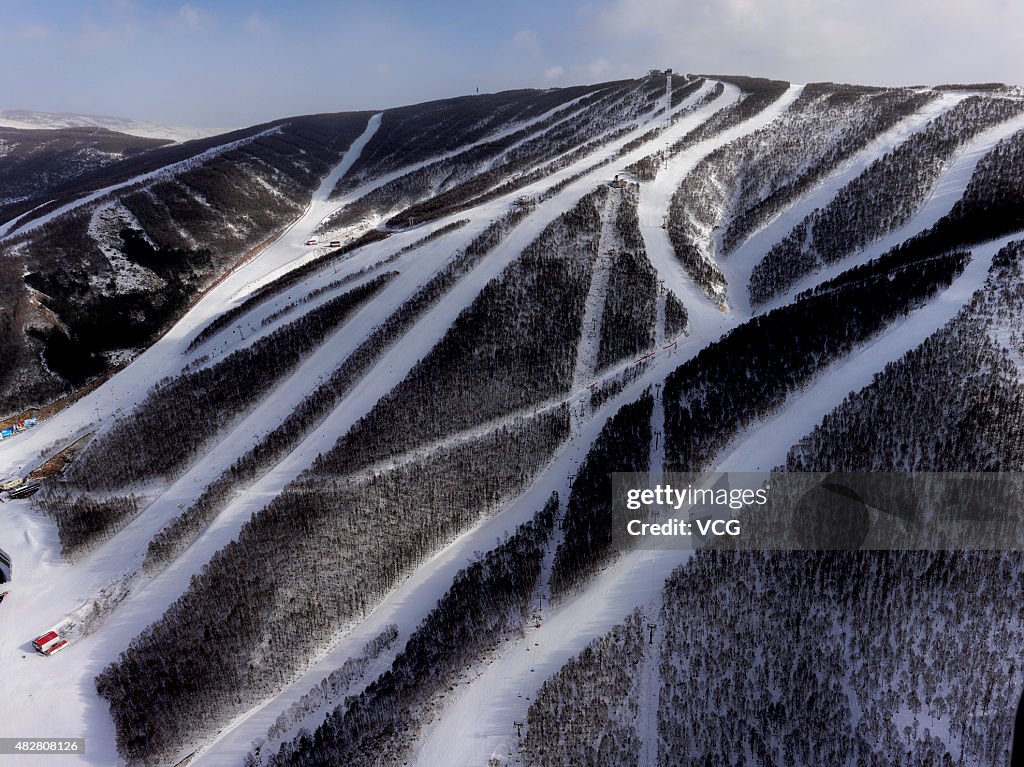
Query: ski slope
column 475, row 721
column 59, row 588
column 738, row 265
column 168, row 171
column 948, row 189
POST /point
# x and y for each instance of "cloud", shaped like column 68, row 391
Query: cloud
column 912, row 41
column 527, row 40
column 553, row 73
column 256, row 24
column 192, row 18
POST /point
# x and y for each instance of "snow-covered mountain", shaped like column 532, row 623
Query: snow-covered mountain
column 329, row 408
column 29, row 120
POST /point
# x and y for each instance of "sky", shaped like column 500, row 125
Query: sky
column 226, row 64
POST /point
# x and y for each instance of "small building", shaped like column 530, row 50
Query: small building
column 618, row 183
column 56, row 647
column 47, row 640
column 24, row 491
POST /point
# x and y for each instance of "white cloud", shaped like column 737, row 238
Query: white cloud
column 553, row 73
column 912, row 41
column 192, row 18
column 256, row 24
column 527, row 40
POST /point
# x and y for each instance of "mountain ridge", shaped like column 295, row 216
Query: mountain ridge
column 505, row 301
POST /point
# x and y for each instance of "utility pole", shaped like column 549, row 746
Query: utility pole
column 650, row 628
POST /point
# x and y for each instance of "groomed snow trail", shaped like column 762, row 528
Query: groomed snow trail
column 64, row 586
column 648, row 685
column 407, row 605
column 593, row 307
column 379, row 181
column 477, row 724
column 764, row 445
column 947, row 191
column 166, row 356
column 168, row 171
column 57, row 587
column 654, row 204
column 738, row 265
column 414, row 597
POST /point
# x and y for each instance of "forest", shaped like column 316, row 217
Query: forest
column 136, row 447
column 491, row 168
column 488, row 602
column 749, row 372
column 187, row 228
column 318, row 556
column 287, row 280
column 587, row 713
column 630, row 306
column 514, row 347
column 180, row 532
column 879, row 200
column 742, row 184
column 624, row 444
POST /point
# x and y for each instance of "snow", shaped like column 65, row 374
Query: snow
column 648, row 688
column 947, row 190
column 593, row 307
column 765, row 445
column 27, row 120
column 476, row 720
column 477, row 723
column 435, row 575
column 738, row 265
column 379, row 181
column 654, row 202
column 58, row 589
column 167, row 171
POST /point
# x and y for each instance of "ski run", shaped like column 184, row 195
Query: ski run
column 474, row 723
